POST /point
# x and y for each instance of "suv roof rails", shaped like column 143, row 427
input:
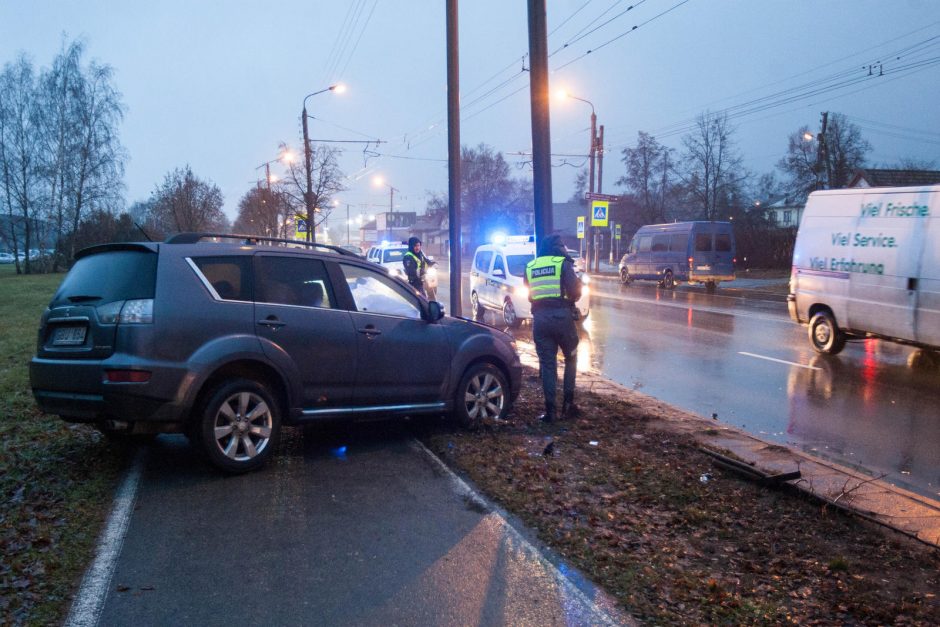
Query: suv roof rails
column 252, row 240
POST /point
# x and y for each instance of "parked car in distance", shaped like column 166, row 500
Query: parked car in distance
column 692, row 252
column 497, row 281
column 225, row 338
column 352, row 248
column 866, row 263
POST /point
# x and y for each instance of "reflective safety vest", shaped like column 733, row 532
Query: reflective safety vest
column 418, row 262
column 544, row 276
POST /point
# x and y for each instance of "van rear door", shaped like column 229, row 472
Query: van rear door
column 927, row 316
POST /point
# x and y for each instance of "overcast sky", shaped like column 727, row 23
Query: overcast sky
column 219, row 85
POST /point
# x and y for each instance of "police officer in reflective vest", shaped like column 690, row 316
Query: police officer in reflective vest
column 416, row 265
column 554, row 288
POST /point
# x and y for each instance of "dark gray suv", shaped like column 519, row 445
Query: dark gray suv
column 225, row 338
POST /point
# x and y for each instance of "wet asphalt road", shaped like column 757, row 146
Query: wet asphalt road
column 347, row 525
column 737, row 354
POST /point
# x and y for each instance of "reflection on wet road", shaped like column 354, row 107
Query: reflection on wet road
column 746, row 361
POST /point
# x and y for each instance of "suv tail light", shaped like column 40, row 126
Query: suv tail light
column 127, row 312
column 128, row 376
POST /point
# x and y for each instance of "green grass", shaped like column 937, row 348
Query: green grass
column 56, row 480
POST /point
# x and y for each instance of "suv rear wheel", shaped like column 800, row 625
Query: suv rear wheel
column 483, row 394
column 239, row 425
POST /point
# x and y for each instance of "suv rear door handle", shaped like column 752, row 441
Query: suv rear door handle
column 370, row 330
column 272, row 322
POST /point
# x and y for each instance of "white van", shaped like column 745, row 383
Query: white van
column 867, row 264
column 497, row 281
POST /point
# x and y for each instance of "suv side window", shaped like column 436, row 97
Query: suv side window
column 293, row 281
column 230, row 277
column 375, row 293
column 482, row 262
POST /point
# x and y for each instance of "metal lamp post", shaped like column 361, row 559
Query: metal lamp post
column 308, row 193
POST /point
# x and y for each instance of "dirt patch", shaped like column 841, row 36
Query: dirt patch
column 632, row 501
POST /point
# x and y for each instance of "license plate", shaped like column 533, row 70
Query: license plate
column 68, row 336
column 703, row 267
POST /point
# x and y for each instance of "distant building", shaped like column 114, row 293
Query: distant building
column 871, row 177
column 388, row 227
column 784, row 213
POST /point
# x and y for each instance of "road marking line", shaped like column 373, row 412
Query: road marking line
column 780, row 361
column 89, row 602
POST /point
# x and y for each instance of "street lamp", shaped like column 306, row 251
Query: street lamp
column 391, row 190
column 308, row 193
column 562, row 94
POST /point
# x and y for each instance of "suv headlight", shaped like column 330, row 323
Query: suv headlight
column 521, row 291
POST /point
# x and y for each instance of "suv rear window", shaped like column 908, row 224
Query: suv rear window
column 109, row 276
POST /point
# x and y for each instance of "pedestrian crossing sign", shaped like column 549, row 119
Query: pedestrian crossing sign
column 301, row 224
column 581, row 227
column 599, row 212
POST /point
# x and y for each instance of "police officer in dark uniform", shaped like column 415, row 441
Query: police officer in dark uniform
column 416, row 265
column 554, row 288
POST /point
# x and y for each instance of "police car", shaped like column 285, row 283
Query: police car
column 390, row 256
column 497, row 280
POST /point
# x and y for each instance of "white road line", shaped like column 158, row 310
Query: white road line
column 89, row 602
column 780, row 361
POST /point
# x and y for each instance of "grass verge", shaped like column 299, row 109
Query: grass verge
column 647, row 516
column 56, row 480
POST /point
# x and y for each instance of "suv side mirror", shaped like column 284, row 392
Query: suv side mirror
column 435, row 311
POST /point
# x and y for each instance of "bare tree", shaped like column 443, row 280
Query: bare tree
column 490, row 198
column 845, row 150
column 650, row 168
column 184, row 202
column 19, row 130
column 261, row 212
column 327, row 182
column 712, row 164
column 801, row 165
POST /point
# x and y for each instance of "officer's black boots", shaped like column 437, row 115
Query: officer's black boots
column 548, row 416
column 568, row 409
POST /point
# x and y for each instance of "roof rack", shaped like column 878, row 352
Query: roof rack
column 253, row 240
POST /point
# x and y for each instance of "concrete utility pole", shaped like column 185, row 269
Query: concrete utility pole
column 541, row 135
column 311, row 235
column 823, row 150
column 453, row 158
column 589, row 244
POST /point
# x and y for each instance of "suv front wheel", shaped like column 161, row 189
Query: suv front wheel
column 482, row 396
column 239, row 425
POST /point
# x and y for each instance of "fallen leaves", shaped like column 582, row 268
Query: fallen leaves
column 634, row 514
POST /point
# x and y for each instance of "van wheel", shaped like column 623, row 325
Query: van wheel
column 239, row 425
column 668, row 281
column 710, row 287
column 483, row 395
column 476, row 307
column 825, row 335
column 625, row 277
column 509, row 315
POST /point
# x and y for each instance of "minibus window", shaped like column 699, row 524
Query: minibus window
column 679, row 242
column 703, row 242
column 660, row 243
column 723, row 242
column 645, row 242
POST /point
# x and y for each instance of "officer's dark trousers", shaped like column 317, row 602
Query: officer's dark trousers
column 553, row 329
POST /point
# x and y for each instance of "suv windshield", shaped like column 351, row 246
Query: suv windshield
column 109, row 276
